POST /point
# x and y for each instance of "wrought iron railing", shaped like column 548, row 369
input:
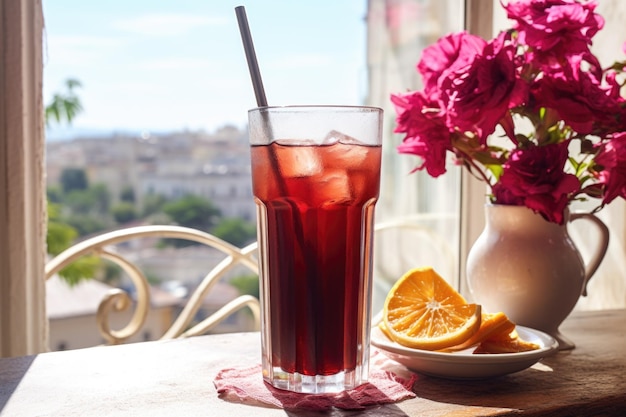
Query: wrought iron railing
column 118, row 300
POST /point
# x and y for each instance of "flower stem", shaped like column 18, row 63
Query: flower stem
column 476, row 167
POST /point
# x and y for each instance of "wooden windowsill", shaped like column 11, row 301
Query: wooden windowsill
column 175, row 377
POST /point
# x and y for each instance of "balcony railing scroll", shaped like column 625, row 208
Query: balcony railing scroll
column 117, row 299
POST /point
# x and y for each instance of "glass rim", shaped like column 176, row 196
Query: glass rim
column 318, row 107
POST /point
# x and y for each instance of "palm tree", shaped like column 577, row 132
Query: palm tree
column 64, row 106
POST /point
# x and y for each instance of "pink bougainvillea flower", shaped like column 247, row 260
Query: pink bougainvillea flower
column 555, row 27
column 612, row 160
column 479, row 97
column 613, row 84
column 426, row 133
column 510, row 108
column 534, row 177
column 451, row 53
column 578, row 97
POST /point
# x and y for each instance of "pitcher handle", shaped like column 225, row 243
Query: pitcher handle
column 597, row 257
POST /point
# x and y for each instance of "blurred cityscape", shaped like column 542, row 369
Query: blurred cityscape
column 212, row 166
column 215, row 166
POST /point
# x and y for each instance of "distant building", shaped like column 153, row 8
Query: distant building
column 72, row 313
column 187, row 265
column 214, row 166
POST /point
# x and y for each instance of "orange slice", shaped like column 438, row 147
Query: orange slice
column 422, row 311
column 507, row 343
column 492, row 325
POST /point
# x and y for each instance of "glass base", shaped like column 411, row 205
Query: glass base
column 316, row 384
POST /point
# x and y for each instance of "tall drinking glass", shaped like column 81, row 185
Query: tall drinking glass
column 315, row 178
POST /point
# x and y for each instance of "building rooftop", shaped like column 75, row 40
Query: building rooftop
column 63, row 300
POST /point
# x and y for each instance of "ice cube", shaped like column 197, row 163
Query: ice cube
column 335, row 136
column 343, row 151
column 298, row 161
column 333, row 188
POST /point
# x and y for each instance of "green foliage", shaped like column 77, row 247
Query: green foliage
column 82, row 269
column 60, row 237
column 246, row 284
column 74, row 179
column 80, row 202
column 64, row 106
column 235, row 231
column 124, row 212
column 193, row 211
column 496, row 170
column 54, row 194
column 152, row 204
column 93, row 200
column 101, row 198
column 111, row 273
column 86, row 224
column 127, row 194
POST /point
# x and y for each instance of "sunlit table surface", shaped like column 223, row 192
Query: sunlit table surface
column 175, row 378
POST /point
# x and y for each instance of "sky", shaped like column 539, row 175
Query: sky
column 164, row 65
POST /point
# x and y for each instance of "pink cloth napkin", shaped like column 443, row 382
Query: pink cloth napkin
column 246, row 385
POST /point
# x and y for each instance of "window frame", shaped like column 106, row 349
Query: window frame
column 23, row 322
column 478, row 21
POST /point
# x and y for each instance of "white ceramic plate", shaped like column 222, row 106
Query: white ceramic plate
column 465, row 364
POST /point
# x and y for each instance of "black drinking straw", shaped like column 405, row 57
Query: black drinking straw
column 259, row 92
column 253, row 65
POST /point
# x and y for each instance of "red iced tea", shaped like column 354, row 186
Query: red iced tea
column 315, row 210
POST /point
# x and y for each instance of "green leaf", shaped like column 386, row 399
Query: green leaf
column 64, row 106
column 82, row 269
column 496, row 171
